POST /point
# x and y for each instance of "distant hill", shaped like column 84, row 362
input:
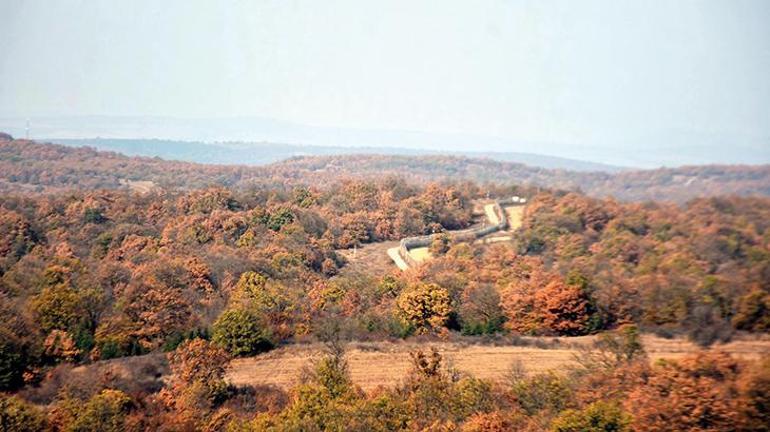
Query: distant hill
column 669, row 148
column 36, row 167
column 664, row 184
column 262, row 153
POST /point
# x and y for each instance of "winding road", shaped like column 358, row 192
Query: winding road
column 512, row 220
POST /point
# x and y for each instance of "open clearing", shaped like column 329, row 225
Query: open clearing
column 141, row 186
column 515, row 216
column 420, row 254
column 372, row 258
column 387, row 363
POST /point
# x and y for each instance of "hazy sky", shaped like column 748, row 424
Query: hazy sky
column 592, row 73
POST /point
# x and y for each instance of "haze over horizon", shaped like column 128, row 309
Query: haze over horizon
column 627, row 83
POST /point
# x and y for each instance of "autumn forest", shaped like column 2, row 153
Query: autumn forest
column 106, row 260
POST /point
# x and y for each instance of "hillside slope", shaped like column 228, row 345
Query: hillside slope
column 31, row 166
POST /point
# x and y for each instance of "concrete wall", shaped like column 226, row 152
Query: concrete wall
column 464, row 235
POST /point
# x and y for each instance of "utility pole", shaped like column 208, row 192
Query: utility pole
column 27, row 129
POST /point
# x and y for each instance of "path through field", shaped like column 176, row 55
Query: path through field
column 386, row 363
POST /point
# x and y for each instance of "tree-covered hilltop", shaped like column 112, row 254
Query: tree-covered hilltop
column 28, row 166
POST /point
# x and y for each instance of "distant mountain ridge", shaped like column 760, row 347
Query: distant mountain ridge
column 653, row 149
column 262, row 153
column 29, row 166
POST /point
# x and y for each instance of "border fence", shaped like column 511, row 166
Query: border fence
column 463, row 235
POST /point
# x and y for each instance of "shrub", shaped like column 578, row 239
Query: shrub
column 613, row 348
column 197, row 384
column 546, row 391
column 472, row 396
column 93, row 215
column 389, row 286
column 599, row 416
column 695, row 393
column 104, row 412
column 240, row 333
column 279, row 218
column 19, row 416
column 440, row 244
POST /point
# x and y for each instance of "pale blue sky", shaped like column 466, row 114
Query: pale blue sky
column 576, row 74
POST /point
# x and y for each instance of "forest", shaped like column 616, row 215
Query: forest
column 215, row 263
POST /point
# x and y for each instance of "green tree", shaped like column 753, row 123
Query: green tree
column 12, row 360
column 279, row 218
column 240, row 333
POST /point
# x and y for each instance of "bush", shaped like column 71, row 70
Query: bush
column 19, row 416
column 105, row 412
column 93, row 215
column 546, row 391
column 440, row 244
column 279, row 218
column 600, row 416
column 239, row 332
column 472, row 396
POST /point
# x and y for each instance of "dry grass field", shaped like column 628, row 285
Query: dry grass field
column 374, row 364
column 386, row 363
column 515, row 216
